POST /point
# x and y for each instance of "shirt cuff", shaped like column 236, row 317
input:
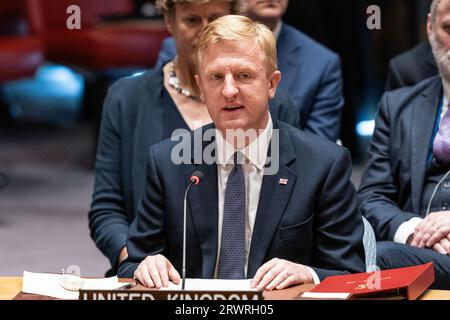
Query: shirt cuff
column 314, row 275
column 406, row 229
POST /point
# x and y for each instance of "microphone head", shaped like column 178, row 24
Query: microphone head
column 196, row 177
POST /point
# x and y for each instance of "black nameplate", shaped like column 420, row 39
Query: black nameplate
column 108, row 295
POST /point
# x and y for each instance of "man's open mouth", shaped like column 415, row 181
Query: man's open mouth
column 233, row 108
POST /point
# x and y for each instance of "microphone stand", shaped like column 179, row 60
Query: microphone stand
column 194, row 180
column 183, row 283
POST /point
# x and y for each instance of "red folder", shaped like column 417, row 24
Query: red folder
column 409, row 283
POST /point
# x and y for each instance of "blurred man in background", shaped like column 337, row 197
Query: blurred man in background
column 405, row 191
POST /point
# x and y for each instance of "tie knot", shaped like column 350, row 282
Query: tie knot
column 441, row 145
column 238, row 158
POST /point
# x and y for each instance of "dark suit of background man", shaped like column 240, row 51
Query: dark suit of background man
column 409, row 160
column 411, row 67
column 310, row 72
column 297, row 225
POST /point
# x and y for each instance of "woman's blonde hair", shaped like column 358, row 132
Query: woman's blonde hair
column 238, row 28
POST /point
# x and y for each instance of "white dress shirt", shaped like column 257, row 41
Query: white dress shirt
column 277, row 30
column 254, row 160
column 408, row 228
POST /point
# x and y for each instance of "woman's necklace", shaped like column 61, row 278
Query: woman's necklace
column 174, row 82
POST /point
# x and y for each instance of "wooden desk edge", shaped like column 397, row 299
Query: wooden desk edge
column 11, row 287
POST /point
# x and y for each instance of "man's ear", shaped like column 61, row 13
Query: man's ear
column 199, row 85
column 429, row 26
column 198, row 81
column 274, row 81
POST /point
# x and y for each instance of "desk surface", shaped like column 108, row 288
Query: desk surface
column 10, row 287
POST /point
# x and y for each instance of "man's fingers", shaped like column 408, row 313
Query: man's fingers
column 174, row 275
column 161, row 264
column 138, row 276
column 268, row 278
column 440, row 233
column 146, row 275
column 445, row 243
column 281, row 277
column 262, row 272
column 425, row 238
column 154, row 273
column 417, row 237
column 143, row 275
column 438, row 247
column 289, row 281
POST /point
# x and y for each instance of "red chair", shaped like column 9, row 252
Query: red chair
column 19, row 57
column 20, row 54
column 97, row 46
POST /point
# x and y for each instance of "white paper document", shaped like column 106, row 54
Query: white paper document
column 212, row 285
column 47, row 284
column 325, row 295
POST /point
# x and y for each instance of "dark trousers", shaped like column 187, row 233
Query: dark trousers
column 391, row 255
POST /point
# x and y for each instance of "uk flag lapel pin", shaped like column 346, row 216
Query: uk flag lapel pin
column 283, row 182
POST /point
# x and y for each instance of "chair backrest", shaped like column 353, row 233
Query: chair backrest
column 12, row 20
column 51, row 15
column 8, row 6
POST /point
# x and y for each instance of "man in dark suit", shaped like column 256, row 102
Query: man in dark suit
column 290, row 220
column 140, row 111
column 311, row 73
column 411, row 67
column 405, row 191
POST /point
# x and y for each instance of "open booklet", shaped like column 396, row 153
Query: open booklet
column 61, row 287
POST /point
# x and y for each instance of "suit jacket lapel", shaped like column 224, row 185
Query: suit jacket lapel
column 272, row 203
column 424, row 116
column 203, row 206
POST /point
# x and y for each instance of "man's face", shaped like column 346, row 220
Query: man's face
column 235, row 84
column 265, row 9
column 189, row 20
column 439, row 37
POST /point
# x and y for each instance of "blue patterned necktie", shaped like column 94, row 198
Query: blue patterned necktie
column 441, row 145
column 232, row 251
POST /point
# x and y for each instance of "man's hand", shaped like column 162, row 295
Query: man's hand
column 433, row 232
column 280, row 274
column 156, row 271
column 442, row 246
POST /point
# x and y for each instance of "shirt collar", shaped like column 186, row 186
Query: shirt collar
column 277, row 30
column 445, row 101
column 255, row 152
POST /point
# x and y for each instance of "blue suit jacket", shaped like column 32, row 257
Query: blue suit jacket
column 392, row 186
column 310, row 73
column 132, row 121
column 313, row 220
column 411, row 67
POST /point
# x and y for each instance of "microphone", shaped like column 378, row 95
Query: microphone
column 194, row 179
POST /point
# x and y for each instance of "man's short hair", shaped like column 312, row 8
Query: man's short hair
column 238, row 28
column 433, row 9
column 167, row 7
